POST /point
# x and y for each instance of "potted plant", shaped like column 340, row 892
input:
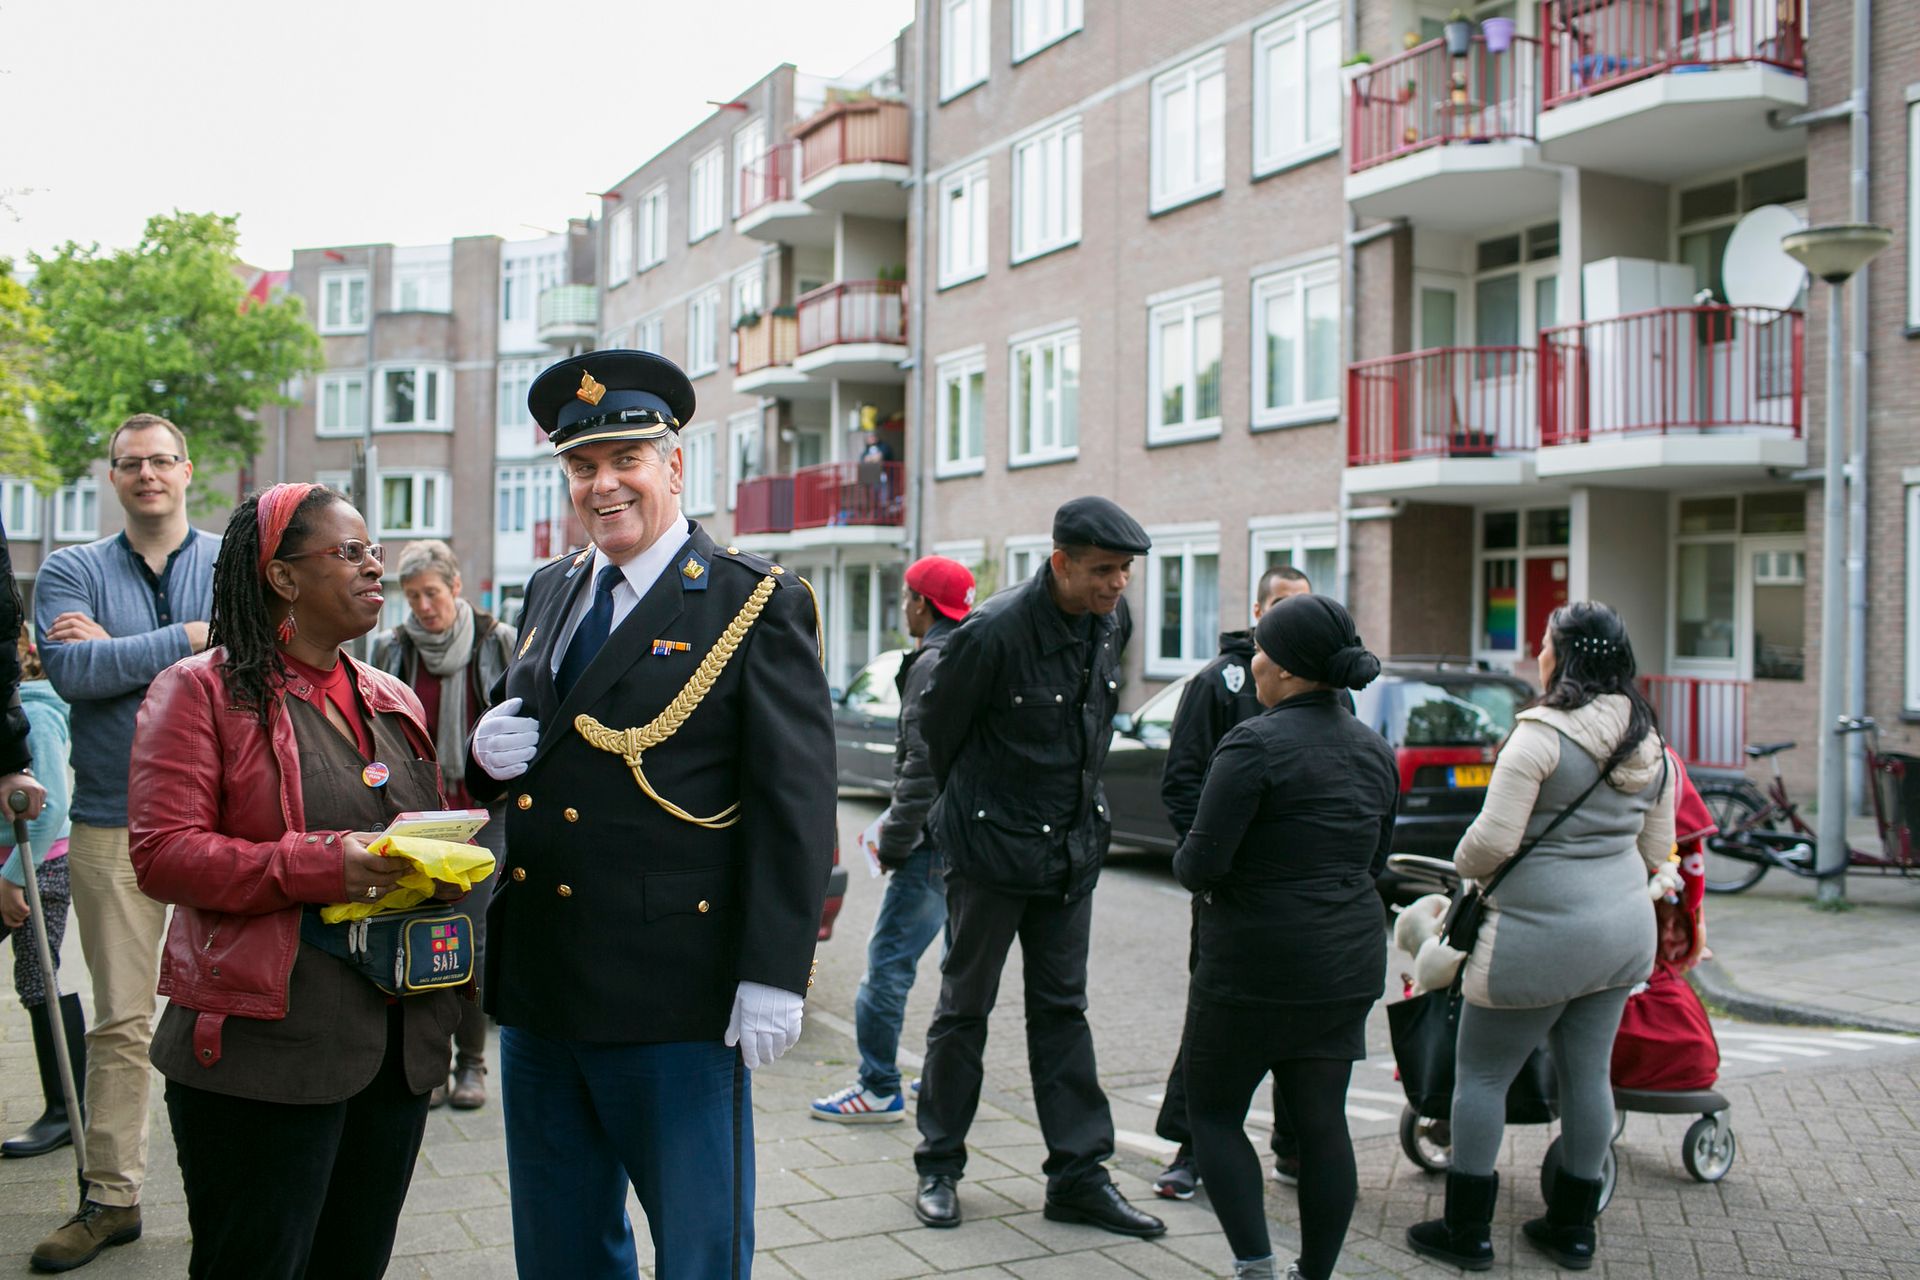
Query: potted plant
column 1408, row 89
column 1356, row 66
column 1459, row 34
column 747, row 320
column 1499, row 34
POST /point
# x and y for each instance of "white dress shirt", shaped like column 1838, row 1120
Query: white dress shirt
column 637, row 578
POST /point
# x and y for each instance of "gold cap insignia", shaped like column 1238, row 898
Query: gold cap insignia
column 590, row 391
column 692, row 569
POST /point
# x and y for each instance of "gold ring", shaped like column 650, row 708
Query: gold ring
column 372, row 892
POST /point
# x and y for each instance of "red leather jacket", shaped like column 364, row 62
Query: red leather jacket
column 215, row 826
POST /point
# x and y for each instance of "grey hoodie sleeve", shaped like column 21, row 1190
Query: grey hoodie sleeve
column 914, row 788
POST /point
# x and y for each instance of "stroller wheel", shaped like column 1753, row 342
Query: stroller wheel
column 1708, row 1149
column 1427, row 1142
column 1609, row 1172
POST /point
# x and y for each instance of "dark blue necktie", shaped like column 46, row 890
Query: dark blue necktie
column 592, row 633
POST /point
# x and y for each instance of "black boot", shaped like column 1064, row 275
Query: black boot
column 1566, row 1234
column 1465, row 1236
column 52, row 1130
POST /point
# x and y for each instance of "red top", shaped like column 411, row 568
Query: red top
column 427, row 685
column 336, row 686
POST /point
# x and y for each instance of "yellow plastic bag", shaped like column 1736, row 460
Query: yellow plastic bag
column 429, row 860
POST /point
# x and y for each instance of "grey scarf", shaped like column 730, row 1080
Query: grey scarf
column 446, row 654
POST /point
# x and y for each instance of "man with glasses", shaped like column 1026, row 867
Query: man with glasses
column 111, row 616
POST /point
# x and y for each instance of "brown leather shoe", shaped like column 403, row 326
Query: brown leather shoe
column 469, row 1087
column 85, row 1234
column 438, row 1098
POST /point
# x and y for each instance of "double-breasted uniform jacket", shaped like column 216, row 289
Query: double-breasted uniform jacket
column 612, row 919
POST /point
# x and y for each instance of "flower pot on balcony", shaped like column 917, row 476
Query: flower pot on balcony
column 1499, row 34
column 1459, row 37
column 1470, row 444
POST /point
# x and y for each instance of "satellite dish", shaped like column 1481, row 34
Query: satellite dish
column 1757, row 271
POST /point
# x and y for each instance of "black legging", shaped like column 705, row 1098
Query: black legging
column 1226, row 1057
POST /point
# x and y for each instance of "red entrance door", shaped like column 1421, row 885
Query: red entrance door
column 1546, row 591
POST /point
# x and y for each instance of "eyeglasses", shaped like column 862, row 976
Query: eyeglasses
column 161, row 463
column 353, row 551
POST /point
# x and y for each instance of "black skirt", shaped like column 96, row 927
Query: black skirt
column 1280, row 1032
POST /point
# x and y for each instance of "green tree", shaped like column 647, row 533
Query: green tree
column 166, row 328
column 24, row 388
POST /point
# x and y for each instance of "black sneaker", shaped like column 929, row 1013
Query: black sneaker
column 1179, row 1180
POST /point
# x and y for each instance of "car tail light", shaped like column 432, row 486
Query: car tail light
column 1431, row 767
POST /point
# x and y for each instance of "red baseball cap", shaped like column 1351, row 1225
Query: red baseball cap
column 945, row 582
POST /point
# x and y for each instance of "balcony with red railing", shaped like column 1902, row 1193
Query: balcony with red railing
column 1442, row 423
column 1703, row 719
column 769, row 204
column 1645, row 88
column 854, row 157
column 769, row 179
column 763, row 504
column 764, row 355
column 853, row 329
column 859, row 494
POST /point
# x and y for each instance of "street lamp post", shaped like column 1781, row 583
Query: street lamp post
column 1834, row 253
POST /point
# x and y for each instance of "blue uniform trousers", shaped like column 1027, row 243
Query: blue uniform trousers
column 584, row 1119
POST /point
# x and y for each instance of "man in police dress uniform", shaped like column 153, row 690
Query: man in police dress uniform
column 664, row 744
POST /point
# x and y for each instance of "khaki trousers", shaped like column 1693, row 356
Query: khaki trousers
column 120, row 934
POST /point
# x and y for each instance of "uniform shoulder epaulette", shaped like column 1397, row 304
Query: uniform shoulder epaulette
column 754, row 561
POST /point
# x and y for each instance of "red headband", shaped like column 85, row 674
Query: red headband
column 274, row 513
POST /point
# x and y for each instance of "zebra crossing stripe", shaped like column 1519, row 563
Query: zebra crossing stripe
column 1877, row 1037
column 1776, row 1040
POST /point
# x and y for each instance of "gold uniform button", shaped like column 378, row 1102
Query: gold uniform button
column 704, row 906
column 519, row 873
column 733, row 551
column 565, row 891
column 570, row 814
column 776, row 571
column 525, row 801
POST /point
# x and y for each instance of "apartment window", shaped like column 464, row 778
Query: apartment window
column 1913, row 256
column 962, row 411
column 342, row 409
column 1183, row 602
column 1296, row 88
column 1024, row 558
column 524, row 279
column 619, row 246
column 653, row 227
column 343, row 302
column 1740, row 584
column 1913, row 591
column 1523, row 569
column 647, row 334
column 703, row 319
column 963, row 225
column 341, row 482
column 414, row 398
column 526, row 500
column 1296, row 346
column 749, row 176
column 1039, row 23
column 963, row 45
column 76, row 511
column 514, row 381
column 414, row 504
column 1044, row 411
column 1183, row 369
column 697, row 469
column 749, row 293
column 425, row 284
column 20, row 508
column 1189, row 132
column 743, row 451
column 1307, row 543
column 706, row 198
column 1046, row 190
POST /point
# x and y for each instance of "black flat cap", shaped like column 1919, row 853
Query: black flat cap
column 1099, row 522
column 610, row 395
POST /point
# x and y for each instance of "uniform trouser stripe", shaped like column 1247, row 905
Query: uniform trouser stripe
column 739, row 1161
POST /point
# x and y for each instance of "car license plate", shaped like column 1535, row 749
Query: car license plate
column 1471, row 775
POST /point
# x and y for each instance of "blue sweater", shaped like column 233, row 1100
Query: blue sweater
column 105, row 680
column 49, row 741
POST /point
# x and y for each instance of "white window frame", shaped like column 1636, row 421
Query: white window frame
column 703, row 326
column 649, row 333
column 1296, row 535
column 1297, row 281
column 432, row 493
column 443, row 398
column 697, row 468
column 619, row 246
column 512, row 380
column 1209, row 171
column 69, row 510
column 960, row 73
column 1183, row 543
column 1912, row 246
column 341, row 482
column 962, row 367
column 350, row 388
column 432, row 278
column 1187, row 310
column 746, row 296
column 745, row 442
column 1034, row 548
column 652, row 228
column 344, row 281
column 1271, row 154
column 706, row 193
column 749, row 144
column 964, row 210
column 1045, row 452
column 1057, row 219
column 1052, row 20
column 1912, row 478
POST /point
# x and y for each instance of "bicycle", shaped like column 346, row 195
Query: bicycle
column 1761, row 830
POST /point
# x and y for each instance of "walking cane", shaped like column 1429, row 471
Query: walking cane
column 37, row 923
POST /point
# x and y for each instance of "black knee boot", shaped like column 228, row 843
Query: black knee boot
column 53, row 1129
column 1566, row 1234
column 1465, row 1236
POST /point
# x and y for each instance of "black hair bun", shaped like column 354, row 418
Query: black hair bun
column 1353, row 667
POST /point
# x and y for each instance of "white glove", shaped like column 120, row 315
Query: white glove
column 765, row 1022
column 503, row 742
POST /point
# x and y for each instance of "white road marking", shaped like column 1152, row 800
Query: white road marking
column 1265, row 1118
column 1376, row 1095
column 1152, row 1144
column 1878, row 1037
column 1798, row 1051
column 1777, row 1038
column 1746, row 1055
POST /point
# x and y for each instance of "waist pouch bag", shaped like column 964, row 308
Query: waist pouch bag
column 1425, row 1031
column 404, row 953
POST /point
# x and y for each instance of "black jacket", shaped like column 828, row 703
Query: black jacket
column 612, row 919
column 905, row 828
column 14, row 755
column 1219, row 696
column 1018, row 720
column 1295, row 821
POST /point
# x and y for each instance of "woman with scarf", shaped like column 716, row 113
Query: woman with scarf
column 1295, row 821
column 450, row 654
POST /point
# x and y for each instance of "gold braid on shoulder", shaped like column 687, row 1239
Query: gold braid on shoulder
column 631, row 744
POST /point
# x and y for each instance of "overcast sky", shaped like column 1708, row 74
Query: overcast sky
column 351, row 121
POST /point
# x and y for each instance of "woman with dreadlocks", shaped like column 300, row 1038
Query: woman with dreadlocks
column 262, row 768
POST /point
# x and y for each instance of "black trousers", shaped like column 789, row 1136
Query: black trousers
column 1074, row 1117
column 282, row 1191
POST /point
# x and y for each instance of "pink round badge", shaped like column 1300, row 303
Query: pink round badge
column 375, row 774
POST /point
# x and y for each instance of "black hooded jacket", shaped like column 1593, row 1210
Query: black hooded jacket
column 1219, row 696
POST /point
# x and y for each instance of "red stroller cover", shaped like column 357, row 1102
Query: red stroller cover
column 1665, row 1042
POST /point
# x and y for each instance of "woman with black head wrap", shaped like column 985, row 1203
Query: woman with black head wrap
column 1295, row 821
